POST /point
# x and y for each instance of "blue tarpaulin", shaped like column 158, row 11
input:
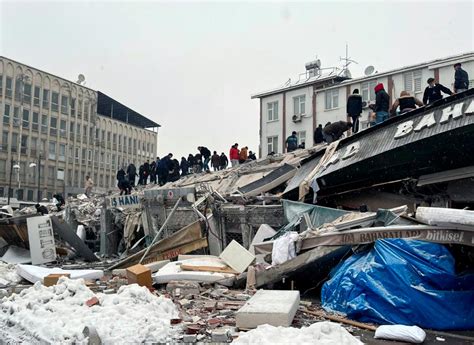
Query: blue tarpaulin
column 406, row 282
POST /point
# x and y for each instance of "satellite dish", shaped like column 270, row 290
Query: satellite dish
column 369, row 70
column 80, row 78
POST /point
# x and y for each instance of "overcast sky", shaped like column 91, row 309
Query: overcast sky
column 192, row 66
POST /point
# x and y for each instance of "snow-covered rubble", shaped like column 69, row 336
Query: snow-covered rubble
column 8, row 274
column 59, row 313
column 323, row 333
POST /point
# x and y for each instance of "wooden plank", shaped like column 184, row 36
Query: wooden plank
column 172, row 253
column 339, row 319
column 225, row 269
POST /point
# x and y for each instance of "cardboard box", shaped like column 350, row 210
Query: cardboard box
column 53, row 278
column 139, row 274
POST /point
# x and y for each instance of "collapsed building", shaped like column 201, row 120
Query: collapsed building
column 286, row 221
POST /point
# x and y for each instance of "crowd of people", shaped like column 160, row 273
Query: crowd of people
column 168, row 169
column 381, row 110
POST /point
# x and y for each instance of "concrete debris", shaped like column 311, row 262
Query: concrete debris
column 276, row 308
column 237, row 257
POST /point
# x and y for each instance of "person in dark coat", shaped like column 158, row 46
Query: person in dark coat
column 174, row 170
column 206, row 156
column 146, row 172
column 252, row 156
column 433, row 91
column 153, row 171
column 124, row 186
column 354, row 109
column 120, row 174
column 318, row 135
column 224, row 161
column 163, row 168
column 406, row 102
column 140, row 174
column 41, row 209
column 335, row 130
column 184, row 167
column 191, row 163
column 61, row 201
column 461, row 79
column 291, row 142
column 215, row 161
column 131, row 172
column 382, row 103
column 198, row 166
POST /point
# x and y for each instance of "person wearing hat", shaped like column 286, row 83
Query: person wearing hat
column 461, row 79
column 433, row 91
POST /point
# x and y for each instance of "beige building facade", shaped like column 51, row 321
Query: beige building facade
column 56, row 132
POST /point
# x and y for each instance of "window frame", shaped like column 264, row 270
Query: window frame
column 273, row 144
column 271, row 107
column 297, row 102
column 331, row 93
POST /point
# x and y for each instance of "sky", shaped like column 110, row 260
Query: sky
column 192, row 66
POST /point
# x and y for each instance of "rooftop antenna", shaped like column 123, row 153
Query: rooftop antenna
column 80, row 79
column 347, row 61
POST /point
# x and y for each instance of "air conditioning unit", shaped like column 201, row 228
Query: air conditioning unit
column 296, row 118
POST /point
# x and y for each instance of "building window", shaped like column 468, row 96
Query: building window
column 73, row 107
column 29, row 195
column 368, row 92
column 51, row 174
column 84, row 132
column 8, row 87
column 52, row 150
column 33, row 147
column 6, row 114
column 19, row 194
column 89, row 155
column 62, row 128
column 272, row 111
column 1, row 87
column 4, row 146
column 14, row 142
column 84, row 153
column 24, row 143
column 301, row 135
column 64, row 100
column 299, row 105
column 45, row 99
column 60, row 174
column 26, row 118
column 54, row 101
column 76, row 156
column 27, row 93
column 78, row 129
column 332, row 99
column 44, row 124
column 36, row 99
column 16, row 116
column 272, row 143
column 34, row 121
column 412, row 81
column 53, row 124
column 62, row 152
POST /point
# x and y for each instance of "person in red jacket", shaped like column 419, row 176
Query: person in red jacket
column 234, row 155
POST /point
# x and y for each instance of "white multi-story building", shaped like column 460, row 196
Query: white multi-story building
column 321, row 98
column 55, row 132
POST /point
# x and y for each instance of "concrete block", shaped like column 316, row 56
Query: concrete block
column 273, row 307
column 237, row 257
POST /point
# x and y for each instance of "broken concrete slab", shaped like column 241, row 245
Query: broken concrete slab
column 273, row 307
column 16, row 255
column 237, row 257
column 36, row 273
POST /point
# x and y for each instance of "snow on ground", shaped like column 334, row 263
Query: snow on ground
column 59, row 314
column 8, row 274
column 321, row 333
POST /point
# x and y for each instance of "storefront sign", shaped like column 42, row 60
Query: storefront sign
column 124, row 201
column 41, row 240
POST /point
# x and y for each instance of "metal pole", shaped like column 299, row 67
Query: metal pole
column 39, row 177
column 160, row 231
column 10, row 183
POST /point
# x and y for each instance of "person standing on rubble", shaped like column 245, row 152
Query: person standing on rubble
column 146, row 172
column 88, row 185
column 206, row 156
column 60, row 201
column 382, row 103
column 234, row 155
column 318, row 135
column 191, row 162
column 335, row 130
column 243, row 155
column 461, row 79
column 163, row 169
column 354, row 109
column 198, row 166
column 223, row 161
column 153, row 172
column 184, row 166
column 132, row 173
column 292, row 142
column 215, row 161
column 433, row 91
column 406, row 102
column 140, row 174
column 252, row 156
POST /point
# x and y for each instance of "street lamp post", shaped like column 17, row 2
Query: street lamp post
column 16, row 166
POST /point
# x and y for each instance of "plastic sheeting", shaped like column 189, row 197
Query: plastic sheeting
column 406, row 282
